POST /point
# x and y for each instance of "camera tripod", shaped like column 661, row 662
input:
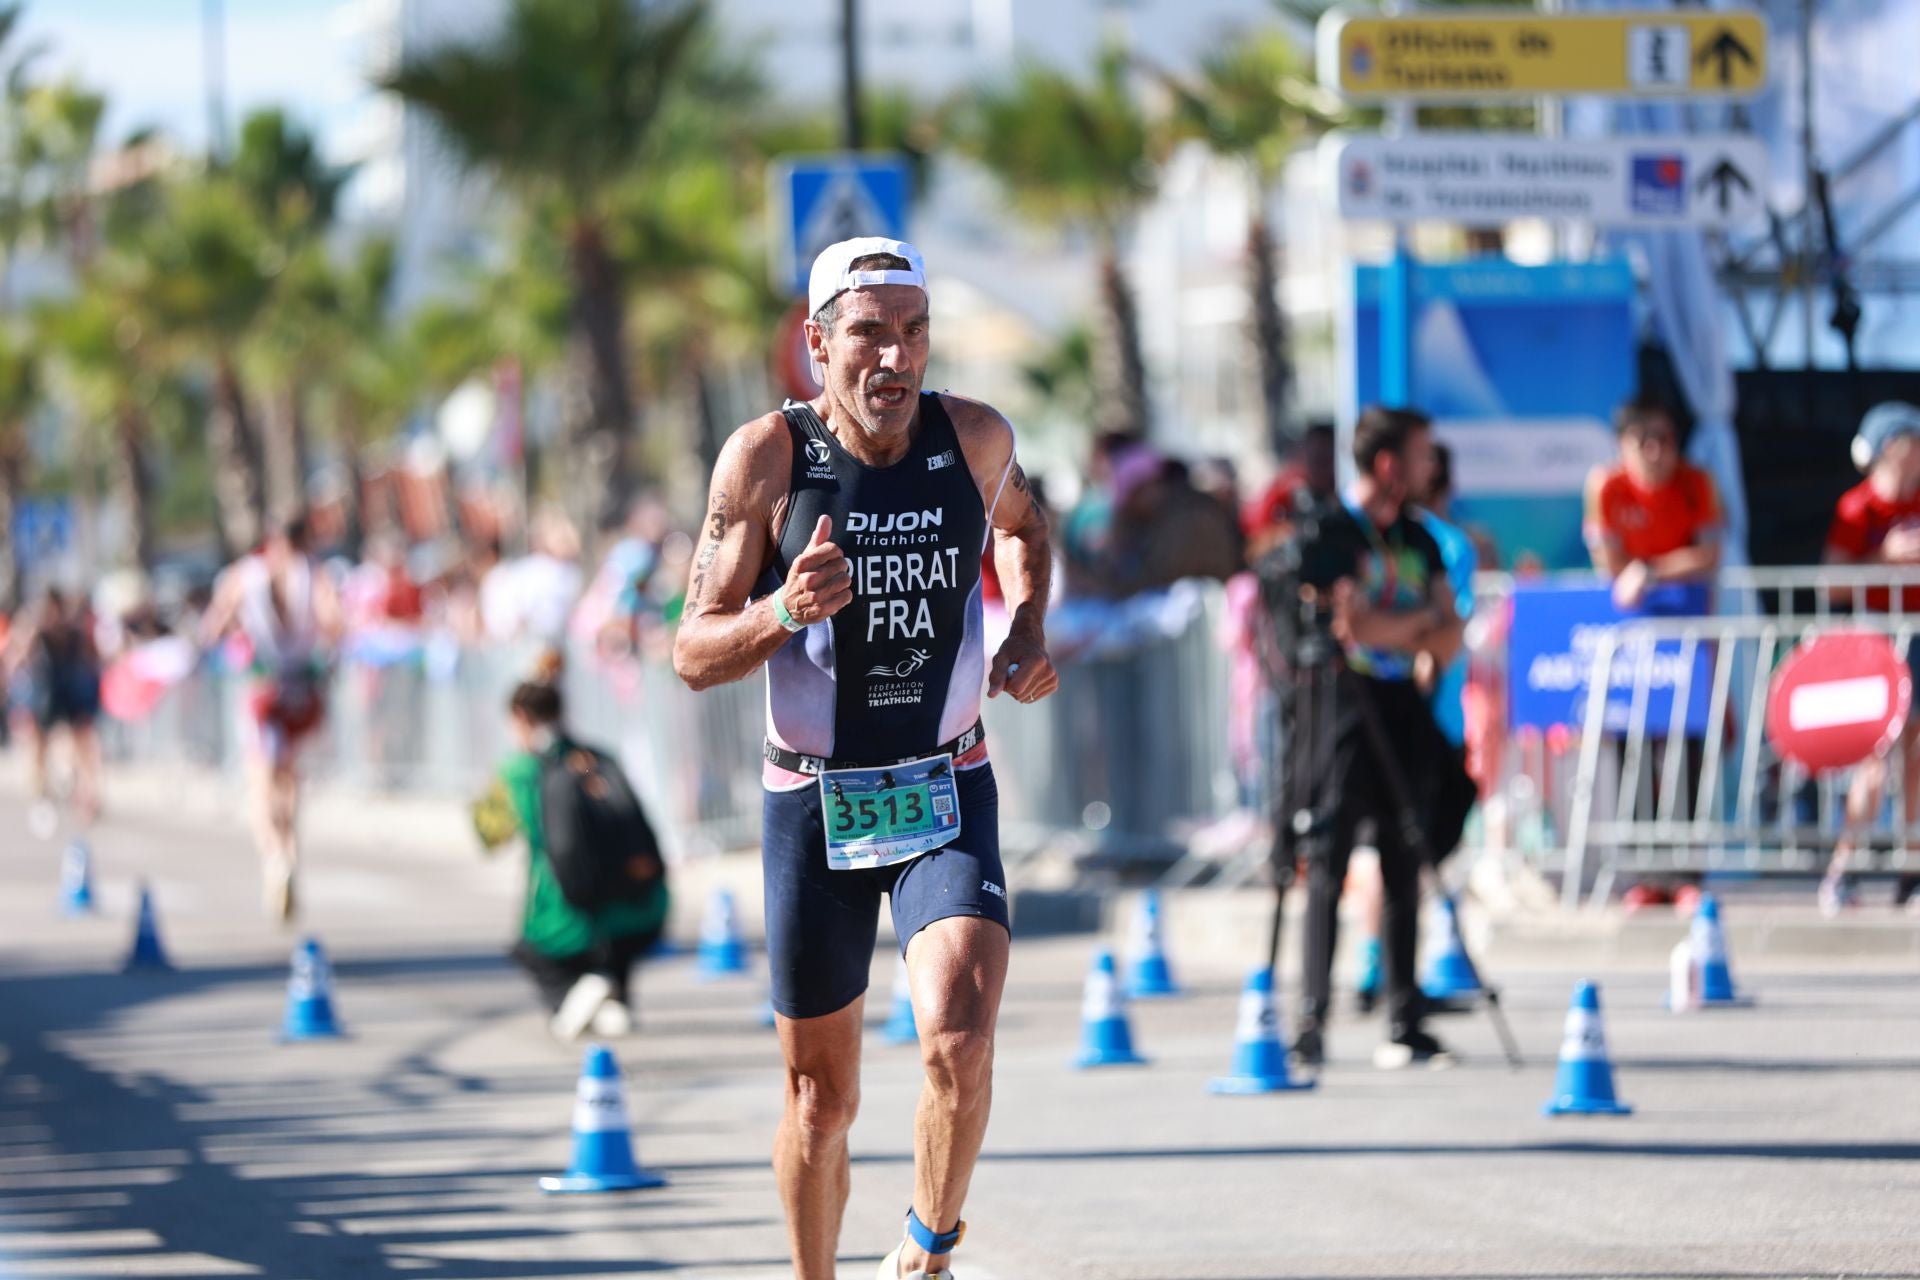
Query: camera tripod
column 1307, row 794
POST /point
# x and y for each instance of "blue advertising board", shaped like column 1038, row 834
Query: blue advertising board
column 1557, row 631
column 1520, row 368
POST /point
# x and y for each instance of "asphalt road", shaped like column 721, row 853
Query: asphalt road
column 151, row 1126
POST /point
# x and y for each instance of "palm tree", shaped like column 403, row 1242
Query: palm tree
column 367, row 374
column 107, row 373
column 517, row 314
column 564, row 106
column 293, row 192
column 202, row 273
column 1078, row 152
column 1254, row 102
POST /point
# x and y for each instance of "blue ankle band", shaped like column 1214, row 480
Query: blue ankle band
column 936, row 1243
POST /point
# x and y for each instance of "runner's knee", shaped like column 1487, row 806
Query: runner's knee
column 958, row 1063
column 823, row 1105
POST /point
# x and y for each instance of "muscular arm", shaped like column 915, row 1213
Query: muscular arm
column 725, row 636
column 1022, row 549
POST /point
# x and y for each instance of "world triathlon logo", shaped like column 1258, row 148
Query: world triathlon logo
column 904, row 669
column 818, row 453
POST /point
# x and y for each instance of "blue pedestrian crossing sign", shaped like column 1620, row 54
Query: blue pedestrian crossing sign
column 820, row 199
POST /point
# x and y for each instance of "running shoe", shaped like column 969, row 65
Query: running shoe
column 890, row 1268
column 1411, row 1047
column 612, row 1020
column 582, row 1004
column 1836, row 895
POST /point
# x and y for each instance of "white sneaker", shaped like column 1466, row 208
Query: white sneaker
column 1836, row 895
column 576, row 1012
column 612, row 1020
column 890, row 1268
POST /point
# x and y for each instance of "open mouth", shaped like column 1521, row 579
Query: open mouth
column 887, row 397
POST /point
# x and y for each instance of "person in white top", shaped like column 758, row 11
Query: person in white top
column 289, row 614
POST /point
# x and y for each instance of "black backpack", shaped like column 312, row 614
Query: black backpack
column 601, row 846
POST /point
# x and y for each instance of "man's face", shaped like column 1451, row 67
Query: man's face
column 1650, row 450
column 874, row 358
column 1899, row 465
column 1417, row 464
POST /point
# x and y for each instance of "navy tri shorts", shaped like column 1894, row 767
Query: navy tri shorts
column 822, row 924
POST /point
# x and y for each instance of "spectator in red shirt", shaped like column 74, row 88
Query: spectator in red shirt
column 1651, row 518
column 1878, row 522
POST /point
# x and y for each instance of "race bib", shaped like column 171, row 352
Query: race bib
column 879, row 817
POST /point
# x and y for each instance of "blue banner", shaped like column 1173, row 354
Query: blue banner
column 1558, row 630
column 1520, row 368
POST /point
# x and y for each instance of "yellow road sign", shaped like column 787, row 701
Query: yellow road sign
column 1504, row 54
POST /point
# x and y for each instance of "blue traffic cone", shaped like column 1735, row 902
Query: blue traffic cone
column 76, row 879
column 900, row 1028
column 1105, row 1038
column 1148, row 975
column 147, row 953
column 310, row 997
column 721, row 952
column 1584, row 1086
column 1709, row 945
column 602, row 1146
column 1259, row 1058
column 1450, row 973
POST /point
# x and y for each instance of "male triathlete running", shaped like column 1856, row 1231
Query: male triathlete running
column 287, row 609
column 842, row 548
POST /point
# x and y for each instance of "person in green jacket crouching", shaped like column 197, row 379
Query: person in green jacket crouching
column 597, row 896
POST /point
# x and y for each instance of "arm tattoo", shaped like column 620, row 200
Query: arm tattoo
column 1019, row 477
column 717, row 517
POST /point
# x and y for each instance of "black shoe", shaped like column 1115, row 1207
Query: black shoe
column 1309, row 1049
column 1365, row 999
column 1409, row 1047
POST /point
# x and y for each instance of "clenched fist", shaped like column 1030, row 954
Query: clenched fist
column 820, row 582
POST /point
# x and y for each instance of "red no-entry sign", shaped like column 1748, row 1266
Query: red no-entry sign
column 1838, row 699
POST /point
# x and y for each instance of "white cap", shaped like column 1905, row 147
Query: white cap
column 833, row 272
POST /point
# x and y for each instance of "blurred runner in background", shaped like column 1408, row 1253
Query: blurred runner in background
column 54, row 650
column 286, row 612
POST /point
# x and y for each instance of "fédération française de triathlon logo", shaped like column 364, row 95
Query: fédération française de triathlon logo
column 905, row 668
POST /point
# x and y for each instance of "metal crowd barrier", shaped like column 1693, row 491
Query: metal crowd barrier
column 1700, row 787
column 1132, row 755
column 1546, row 803
column 1129, row 754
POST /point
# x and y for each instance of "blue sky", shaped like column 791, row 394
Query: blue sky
column 147, row 56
